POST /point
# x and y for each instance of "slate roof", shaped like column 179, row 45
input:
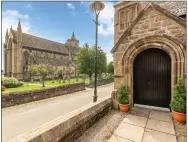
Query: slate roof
column 175, row 7
column 42, row 44
column 52, row 61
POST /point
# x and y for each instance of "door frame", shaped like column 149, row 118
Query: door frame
column 171, row 46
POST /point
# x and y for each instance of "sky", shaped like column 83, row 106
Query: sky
column 57, row 20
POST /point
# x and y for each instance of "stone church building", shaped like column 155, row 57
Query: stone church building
column 22, row 50
column 149, row 52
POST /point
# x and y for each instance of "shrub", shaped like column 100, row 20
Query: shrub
column 178, row 102
column 10, row 82
column 122, row 95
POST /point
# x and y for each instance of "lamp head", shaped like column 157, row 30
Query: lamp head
column 97, row 6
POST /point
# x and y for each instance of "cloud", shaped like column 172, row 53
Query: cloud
column 106, row 20
column 10, row 17
column 70, row 5
column 29, row 6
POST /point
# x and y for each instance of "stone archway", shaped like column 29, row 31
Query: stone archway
column 173, row 48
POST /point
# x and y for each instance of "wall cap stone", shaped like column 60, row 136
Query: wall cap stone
column 67, row 121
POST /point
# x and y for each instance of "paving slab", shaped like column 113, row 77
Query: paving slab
column 135, row 120
column 160, row 115
column 143, row 112
column 155, row 136
column 130, row 132
column 161, row 126
column 115, row 138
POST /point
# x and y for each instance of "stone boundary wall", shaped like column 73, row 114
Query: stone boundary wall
column 69, row 127
column 101, row 82
column 16, row 98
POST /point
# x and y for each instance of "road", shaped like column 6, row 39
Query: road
column 24, row 118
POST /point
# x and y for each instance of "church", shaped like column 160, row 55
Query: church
column 149, row 50
column 22, row 50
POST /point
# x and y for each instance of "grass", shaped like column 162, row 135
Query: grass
column 38, row 85
column 56, row 82
column 23, row 88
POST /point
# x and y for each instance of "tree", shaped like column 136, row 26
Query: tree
column 86, row 61
column 110, row 68
column 43, row 70
column 60, row 73
column 101, row 62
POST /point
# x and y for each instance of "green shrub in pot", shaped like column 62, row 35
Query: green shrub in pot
column 123, row 95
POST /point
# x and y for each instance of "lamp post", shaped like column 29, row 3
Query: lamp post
column 96, row 6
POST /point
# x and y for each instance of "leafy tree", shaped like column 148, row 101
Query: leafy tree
column 178, row 102
column 60, row 73
column 110, row 68
column 101, row 62
column 43, row 70
column 86, row 61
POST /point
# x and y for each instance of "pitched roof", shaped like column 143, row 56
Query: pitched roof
column 41, row 43
column 176, row 7
column 164, row 11
column 51, row 61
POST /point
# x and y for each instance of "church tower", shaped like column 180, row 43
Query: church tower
column 73, row 41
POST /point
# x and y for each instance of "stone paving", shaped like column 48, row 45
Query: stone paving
column 145, row 125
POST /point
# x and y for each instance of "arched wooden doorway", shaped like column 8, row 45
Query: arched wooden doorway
column 152, row 78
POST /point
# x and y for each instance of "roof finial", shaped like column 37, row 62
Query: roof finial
column 73, row 36
column 19, row 25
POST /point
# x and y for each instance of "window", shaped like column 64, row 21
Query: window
column 127, row 16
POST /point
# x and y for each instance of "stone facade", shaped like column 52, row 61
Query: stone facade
column 22, row 50
column 152, row 27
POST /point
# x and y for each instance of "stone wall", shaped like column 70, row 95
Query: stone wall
column 69, row 127
column 101, row 82
column 16, row 98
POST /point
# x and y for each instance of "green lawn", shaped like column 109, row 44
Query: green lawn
column 23, row 88
column 38, row 85
column 56, row 82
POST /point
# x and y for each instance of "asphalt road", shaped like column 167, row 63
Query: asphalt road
column 24, row 118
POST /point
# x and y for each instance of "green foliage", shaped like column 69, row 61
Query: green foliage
column 178, row 102
column 86, row 61
column 43, row 70
column 11, row 82
column 110, row 68
column 123, row 95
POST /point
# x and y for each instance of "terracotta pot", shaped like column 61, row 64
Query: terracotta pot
column 124, row 107
column 180, row 117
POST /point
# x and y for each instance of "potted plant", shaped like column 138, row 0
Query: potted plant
column 178, row 102
column 123, row 98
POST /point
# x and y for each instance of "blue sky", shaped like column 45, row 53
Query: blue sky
column 57, row 20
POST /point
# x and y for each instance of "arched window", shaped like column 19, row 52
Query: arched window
column 25, row 61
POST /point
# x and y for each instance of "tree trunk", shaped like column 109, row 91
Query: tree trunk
column 90, row 77
column 43, row 85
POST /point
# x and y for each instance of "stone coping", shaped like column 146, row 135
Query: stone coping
column 59, row 128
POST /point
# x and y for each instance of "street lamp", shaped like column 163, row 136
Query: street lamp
column 96, row 6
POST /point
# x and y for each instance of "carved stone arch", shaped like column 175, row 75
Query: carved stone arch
column 172, row 47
